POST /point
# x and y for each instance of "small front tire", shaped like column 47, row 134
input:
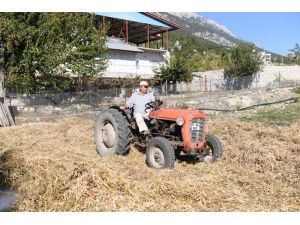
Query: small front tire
column 214, row 148
column 160, row 154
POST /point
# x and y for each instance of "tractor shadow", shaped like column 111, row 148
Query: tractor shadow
column 188, row 159
column 141, row 149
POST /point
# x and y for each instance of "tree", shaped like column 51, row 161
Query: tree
column 175, row 72
column 296, row 49
column 296, row 52
column 37, row 49
column 241, row 67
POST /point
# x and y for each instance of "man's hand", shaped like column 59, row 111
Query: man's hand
column 123, row 107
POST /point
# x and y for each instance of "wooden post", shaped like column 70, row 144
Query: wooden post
column 126, row 38
column 162, row 40
column 148, row 36
column 2, row 92
column 167, row 40
column 5, row 115
column 103, row 24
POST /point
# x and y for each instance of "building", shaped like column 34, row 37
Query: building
column 266, row 58
column 137, row 43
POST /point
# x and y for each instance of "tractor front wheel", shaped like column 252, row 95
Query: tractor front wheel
column 160, row 153
column 214, row 149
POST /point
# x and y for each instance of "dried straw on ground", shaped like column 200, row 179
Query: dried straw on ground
column 55, row 167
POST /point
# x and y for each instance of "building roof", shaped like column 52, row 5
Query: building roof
column 173, row 26
column 133, row 16
column 118, row 44
column 152, row 50
column 137, row 25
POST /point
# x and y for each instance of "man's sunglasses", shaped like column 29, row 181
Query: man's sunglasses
column 145, row 86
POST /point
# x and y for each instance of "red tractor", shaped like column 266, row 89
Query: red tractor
column 173, row 132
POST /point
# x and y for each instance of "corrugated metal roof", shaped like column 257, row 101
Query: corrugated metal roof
column 117, row 44
column 133, row 16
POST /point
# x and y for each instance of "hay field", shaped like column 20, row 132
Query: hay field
column 55, row 167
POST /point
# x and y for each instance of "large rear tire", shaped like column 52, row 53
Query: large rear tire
column 112, row 134
column 214, row 148
column 160, row 153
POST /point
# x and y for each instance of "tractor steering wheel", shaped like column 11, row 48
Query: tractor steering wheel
column 153, row 105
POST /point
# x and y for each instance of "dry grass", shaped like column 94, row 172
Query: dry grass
column 55, row 167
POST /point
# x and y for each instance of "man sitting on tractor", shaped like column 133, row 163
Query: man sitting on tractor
column 138, row 100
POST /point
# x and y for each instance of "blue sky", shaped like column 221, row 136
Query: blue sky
column 272, row 25
column 273, row 31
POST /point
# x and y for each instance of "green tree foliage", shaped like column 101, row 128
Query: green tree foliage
column 199, row 54
column 175, row 72
column 192, row 43
column 37, row 49
column 295, row 58
column 296, row 49
column 241, row 66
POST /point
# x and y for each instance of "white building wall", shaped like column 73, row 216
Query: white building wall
column 131, row 64
column 121, row 64
column 147, row 62
column 266, row 58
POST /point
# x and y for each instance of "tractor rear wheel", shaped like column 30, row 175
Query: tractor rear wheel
column 214, row 149
column 112, row 134
column 160, row 153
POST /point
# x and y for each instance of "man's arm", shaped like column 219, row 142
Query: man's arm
column 129, row 103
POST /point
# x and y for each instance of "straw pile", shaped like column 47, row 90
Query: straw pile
column 55, row 167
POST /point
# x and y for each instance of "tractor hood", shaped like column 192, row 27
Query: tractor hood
column 174, row 114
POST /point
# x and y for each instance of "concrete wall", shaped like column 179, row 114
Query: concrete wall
column 270, row 74
column 270, row 77
column 147, row 62
column 131, row 64
column 121, row 64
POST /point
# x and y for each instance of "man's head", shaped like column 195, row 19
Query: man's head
column 144, row 87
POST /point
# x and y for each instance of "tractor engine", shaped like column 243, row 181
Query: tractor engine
column 181, row 125
column 169, row 129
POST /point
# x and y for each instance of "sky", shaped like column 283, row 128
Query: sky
column 272, row 25
column 276, row 32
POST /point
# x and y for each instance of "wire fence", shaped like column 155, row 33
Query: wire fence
column 70, row 103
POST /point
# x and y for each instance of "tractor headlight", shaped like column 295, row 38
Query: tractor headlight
column 180, row 121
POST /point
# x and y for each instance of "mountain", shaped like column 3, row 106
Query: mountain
column 200, row 27
column 205, row 30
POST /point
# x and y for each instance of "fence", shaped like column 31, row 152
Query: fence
column 222, row 87
column 53, row 104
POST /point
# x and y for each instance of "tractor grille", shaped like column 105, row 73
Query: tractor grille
column 197, row 130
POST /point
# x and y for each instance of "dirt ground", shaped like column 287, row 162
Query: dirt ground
column 55, row 167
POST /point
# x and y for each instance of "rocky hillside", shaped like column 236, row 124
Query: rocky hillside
column 201, row 27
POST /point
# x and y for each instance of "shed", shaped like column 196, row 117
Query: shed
column 137, row 43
